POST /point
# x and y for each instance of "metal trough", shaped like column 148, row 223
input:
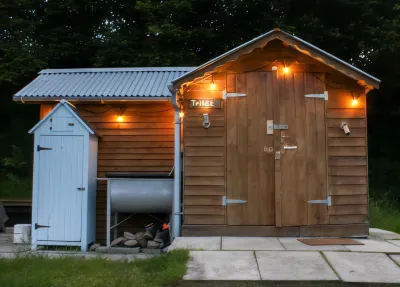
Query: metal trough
column 140, row 193
column 137, row 193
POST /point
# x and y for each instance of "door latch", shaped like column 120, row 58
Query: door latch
column 37, row 226
column 226, row 201
column 81, row 188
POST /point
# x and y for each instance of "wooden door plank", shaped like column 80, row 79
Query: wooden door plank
column 300, row 164
column 321, row 212
column 267, row 163
column 232, row 159
column 241, row 180
column 311, row 143
column 277, row 149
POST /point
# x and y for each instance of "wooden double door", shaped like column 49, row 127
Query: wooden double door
column 276, row 172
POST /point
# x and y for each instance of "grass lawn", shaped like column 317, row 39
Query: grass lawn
column 384, row 215
column 167, row 269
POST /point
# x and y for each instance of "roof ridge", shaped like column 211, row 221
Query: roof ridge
column 117, row 69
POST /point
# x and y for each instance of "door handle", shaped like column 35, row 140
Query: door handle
column 290, row 147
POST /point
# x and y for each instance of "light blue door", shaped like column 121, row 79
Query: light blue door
column 59, row 206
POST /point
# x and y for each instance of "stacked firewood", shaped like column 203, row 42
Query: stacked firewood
column 154, row 236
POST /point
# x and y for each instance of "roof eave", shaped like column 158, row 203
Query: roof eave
column 363, row 78
column 22, row 99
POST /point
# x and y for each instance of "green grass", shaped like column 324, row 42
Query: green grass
column 16, row 190
column 42, row 272
column 385, row 214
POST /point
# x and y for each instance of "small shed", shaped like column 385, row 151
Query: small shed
column 64, row 184
column 275, row 142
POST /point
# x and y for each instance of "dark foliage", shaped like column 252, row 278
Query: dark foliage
column 38, row 34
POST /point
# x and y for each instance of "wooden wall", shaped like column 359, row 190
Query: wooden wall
column 347, row 157
column 204, row 159
column 143, row 142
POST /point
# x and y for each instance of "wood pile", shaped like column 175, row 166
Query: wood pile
column 155, row 236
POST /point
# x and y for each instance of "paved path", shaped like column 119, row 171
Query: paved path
column 287, row 259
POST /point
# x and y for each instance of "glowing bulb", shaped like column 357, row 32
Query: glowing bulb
column 181, row 114
column 354, row 102
column 212, row 86
column 120, row 118
column 286, row 70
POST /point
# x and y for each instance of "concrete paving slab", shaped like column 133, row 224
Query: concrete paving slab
column 380, row 234
column 371, row 245
column 251, row 243
column 293, row 265
column 291, row 243
column 396, row 258
column 196, row 243
column 395, row 242
column 364, row 267
column 222, row 265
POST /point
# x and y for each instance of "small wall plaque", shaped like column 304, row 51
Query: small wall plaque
column 205, row 103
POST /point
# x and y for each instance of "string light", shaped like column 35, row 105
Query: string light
column 181, row 114
column 120, row 119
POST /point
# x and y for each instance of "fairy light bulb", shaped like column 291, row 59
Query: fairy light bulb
column 286, row 70
column 354, row 102
column 181, row 114
column 120, row 119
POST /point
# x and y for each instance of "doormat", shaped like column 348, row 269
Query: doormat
column 329, row 241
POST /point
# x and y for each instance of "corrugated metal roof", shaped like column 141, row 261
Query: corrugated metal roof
column 102, row 82
column 307, row 44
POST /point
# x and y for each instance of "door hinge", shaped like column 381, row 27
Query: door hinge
column 37, row 226
column 226, row 201
column 232, row 95
column 320, row 96
column 39, row 148
column 322, row 201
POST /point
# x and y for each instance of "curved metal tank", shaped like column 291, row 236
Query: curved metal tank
column 138, row 193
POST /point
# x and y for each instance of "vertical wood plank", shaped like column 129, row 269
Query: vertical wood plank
column 300, row 177
column 311, row 143
column 277, row 148
column 267, row 175
column 321, row 210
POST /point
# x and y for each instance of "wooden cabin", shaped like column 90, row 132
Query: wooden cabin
column 273, row 136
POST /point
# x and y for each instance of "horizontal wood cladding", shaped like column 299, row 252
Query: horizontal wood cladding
column 204, row 161
column 348, row 209
column 348, row 219
column 347, row 157
column 204, row 219
column 204, row 190
column 348, row 189
column 143, row 143
column 204, row 210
